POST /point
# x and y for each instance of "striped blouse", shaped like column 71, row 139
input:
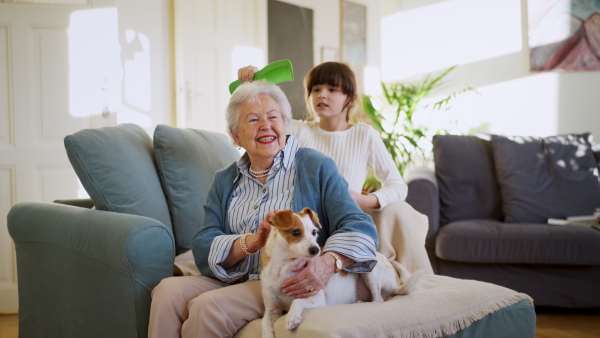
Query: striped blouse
column 252, row 200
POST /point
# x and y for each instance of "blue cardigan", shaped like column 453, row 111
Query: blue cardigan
column 318, row 186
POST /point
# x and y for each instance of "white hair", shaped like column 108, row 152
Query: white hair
column 249, row 92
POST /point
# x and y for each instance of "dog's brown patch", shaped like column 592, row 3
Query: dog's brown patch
column 283, row 220
column 289, row 225
column 295, row 233
column 265, row 258
column 397, row 274
column 313, row 215
column 398, row 281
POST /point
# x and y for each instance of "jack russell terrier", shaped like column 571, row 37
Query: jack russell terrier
column 293, row 237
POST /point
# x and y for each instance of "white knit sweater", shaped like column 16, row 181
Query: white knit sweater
column 354, row 151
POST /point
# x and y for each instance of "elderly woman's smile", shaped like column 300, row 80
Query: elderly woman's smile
column 267, row 139
column 261, row 131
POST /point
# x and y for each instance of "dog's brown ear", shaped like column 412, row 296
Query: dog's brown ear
column 282, row 219
column 313, row 215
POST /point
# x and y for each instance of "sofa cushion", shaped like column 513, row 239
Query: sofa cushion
column 596, row 152
column 466, row 177
column 116, row 168
column 486, row 241
column 187, row 160
column 541, row 178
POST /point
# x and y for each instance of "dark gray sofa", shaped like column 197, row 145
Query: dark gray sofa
column 488, row 205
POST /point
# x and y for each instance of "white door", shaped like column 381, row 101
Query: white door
column 53, row 83
column 213, row 39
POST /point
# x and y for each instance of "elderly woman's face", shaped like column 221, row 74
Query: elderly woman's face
column 261, row 130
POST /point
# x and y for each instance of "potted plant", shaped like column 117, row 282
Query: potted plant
column 406, row 138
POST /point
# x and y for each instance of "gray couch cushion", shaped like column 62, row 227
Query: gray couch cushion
column 486, row 241
column 596, row 152
column 116, row 168
column 187, row 160
column 543, row 178
column 466, row 176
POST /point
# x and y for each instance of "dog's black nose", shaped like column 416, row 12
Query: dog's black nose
column 313, row 250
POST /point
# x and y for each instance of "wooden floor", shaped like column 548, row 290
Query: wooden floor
column 551, row 323
column 9, row 325
column 564, row 323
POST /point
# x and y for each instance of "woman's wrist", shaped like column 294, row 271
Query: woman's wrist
column 331, row 262
column 252, row 243
column 244, row 245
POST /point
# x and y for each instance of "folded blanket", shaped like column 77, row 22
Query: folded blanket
column 402, row 231
column 185, row 265
column 439, row 306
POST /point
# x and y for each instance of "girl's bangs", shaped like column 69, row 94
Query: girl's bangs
column 331, row 75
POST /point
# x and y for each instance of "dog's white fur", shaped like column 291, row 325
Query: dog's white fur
column 293, row 237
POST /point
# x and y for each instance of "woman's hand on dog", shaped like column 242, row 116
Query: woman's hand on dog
column 314, row 273
column 254, row 242
column 259, row 238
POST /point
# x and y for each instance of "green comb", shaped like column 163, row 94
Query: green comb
column 276, row 72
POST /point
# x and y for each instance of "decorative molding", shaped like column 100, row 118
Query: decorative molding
column 8, row 261
column 6, row 99
column 51, row 180
column 49, row 98
column 7, row 200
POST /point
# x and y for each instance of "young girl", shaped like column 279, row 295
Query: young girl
column 331, row 95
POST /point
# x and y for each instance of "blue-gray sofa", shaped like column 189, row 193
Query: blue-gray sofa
column 488, row 205
column 89, row 273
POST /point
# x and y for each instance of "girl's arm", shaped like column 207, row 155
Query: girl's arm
column 369, row 201
column 393, row 189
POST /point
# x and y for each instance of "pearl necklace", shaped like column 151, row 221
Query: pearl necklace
column 259, row 173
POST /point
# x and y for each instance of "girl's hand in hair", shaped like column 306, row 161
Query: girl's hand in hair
column 246, row 74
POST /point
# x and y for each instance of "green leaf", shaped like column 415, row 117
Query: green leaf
column 372, row 113
column 405, row 139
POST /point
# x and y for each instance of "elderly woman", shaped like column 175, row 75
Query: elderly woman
column 273, row 174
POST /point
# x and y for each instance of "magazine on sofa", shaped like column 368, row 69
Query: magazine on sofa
column 592, row 221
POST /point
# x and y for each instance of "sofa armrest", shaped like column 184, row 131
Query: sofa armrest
column 86, row 272
column 423, row 196
column 77, row 202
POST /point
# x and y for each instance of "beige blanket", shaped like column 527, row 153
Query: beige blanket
column 402, row 231
column 439, row 306
column 185, row 265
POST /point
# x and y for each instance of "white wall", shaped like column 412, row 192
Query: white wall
column 488, row 40
column 145, row 36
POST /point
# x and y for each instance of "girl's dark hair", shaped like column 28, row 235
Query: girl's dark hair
column 334, row 74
